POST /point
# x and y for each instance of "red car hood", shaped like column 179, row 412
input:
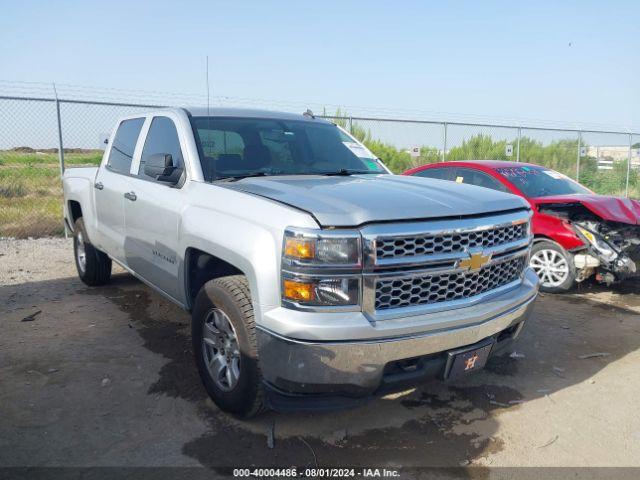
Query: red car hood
column 613, row 209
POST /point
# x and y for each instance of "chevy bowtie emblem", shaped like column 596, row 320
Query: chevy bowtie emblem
column 475, row 261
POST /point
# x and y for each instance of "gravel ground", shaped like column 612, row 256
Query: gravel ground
column 105, row 377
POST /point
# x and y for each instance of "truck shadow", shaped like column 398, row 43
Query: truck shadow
column 436, row 424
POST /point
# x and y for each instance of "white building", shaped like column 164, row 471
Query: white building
column 607, row 156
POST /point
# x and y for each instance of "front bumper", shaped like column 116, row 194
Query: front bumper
column 361, row 367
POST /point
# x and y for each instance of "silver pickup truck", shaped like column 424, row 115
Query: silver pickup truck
column 314, row 277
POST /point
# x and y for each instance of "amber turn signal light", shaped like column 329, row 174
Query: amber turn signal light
column 300, row 248
column 298, row 291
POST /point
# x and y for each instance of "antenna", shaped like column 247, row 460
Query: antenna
column 208, row 86
column 212, row 164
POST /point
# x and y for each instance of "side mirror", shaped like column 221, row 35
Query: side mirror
column 161, row 167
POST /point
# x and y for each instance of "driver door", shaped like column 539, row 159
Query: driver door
column 153, row 214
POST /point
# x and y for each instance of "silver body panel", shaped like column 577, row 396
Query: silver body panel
column 109, row 212
column 361, row 199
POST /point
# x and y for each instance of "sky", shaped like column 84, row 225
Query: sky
column 563, row 61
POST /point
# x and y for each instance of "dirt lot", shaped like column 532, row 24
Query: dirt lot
column 105, row 376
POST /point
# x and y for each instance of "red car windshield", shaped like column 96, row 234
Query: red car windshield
column 541, row 182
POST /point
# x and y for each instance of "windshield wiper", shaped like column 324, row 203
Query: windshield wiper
column 348, row 171
column 341, row 172
column 235, row 178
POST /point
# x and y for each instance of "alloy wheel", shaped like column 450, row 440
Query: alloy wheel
column 220, row 350
column 81, row 253
column 552, row 267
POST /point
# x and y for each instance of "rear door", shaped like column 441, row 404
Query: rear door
column 111, row 184
column 153, row 217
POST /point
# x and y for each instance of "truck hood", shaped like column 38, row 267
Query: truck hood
column 612, row 209
column 349, row 201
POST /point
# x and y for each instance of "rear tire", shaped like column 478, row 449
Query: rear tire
column 225, row 346
column 94, row 266
column 554, row 266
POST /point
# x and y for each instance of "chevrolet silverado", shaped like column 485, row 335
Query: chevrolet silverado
column 314, row 277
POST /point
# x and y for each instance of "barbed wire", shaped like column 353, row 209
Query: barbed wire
column 111, row 94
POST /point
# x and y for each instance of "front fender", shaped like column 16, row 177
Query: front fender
column 252, row 246
column 556, row 229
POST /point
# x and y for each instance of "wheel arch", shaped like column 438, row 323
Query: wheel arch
column 538, row 237
column 75, row 211
column 201, row 267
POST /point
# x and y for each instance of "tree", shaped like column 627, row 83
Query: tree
column 560, row 155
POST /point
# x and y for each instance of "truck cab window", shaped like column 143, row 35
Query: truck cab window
column 124, row 144
column 162, row 138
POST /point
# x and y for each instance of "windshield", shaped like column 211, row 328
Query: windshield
column 240, row 147
column 541, row 182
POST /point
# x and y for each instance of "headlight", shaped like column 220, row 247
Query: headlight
column 598, row 243
column 322, row 248
column 321, row 268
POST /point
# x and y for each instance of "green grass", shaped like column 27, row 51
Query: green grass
column 31, row 192
column 9, row 157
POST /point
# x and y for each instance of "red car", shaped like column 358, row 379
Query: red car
column 576, row 233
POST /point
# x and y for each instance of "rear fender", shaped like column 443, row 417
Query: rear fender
column 80, row 189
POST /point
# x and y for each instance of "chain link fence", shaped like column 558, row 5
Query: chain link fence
column 32, row 131
column 39, row 137
column 606, row 162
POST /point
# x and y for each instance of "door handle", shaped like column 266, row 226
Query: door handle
column 130, row 196
column 98, row 185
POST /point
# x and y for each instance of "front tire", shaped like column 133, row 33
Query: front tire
column 94, row 266
column 554, row 266
column 225, row 346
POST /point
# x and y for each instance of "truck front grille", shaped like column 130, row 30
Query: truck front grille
column 433, row 265
column 429, row 244
column 440, row 287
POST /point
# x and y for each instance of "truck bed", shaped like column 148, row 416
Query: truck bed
column 80, row 172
